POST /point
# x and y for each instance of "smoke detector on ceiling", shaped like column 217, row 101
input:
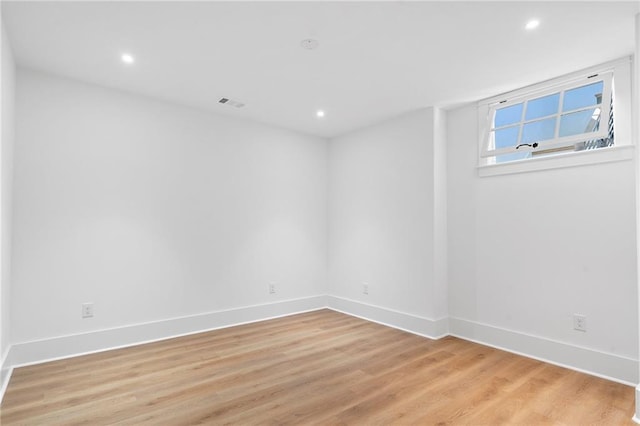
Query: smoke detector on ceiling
column 309, row 44
column 231, row 102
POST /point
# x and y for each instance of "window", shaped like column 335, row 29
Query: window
column 566, row 115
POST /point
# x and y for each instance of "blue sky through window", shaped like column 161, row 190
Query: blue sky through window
column 509, row 115
column 577, row 122
column 507, row 120
column 505, row 158
column 542, row 107
column 582, row 96
column 539, row 130
column 507, row 137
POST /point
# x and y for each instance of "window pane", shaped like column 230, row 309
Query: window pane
column 584, row 96
column 542, row 107
column 579, row 122
column 505, row 158
column 539, row 130
column 509, row 115
column 506, row 137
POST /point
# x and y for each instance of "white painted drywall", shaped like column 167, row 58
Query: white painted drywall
column 636, row 140
column 440, row 221
column 153, row 211
column 382, row 211
column 7, row 93
column 528, row 250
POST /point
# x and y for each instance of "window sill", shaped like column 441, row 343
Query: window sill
column 571, row 159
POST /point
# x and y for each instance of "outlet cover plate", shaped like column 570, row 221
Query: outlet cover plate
column 580, row 322
column 87, row 310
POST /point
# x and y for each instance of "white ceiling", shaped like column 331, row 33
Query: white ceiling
column 375, row 60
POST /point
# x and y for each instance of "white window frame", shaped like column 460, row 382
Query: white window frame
column 556, row 142
column 616, row 76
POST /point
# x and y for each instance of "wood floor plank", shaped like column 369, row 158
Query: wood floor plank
column 320, row 367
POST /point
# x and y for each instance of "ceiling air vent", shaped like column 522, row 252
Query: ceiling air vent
column 231, row 102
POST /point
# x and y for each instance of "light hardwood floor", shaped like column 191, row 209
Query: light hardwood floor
column 320, row 367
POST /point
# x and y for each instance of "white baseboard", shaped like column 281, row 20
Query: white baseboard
column 5, row 373
column 601, row 364
column 27, row 353
column 596, row 363
column 433, row 329
column 609, row 366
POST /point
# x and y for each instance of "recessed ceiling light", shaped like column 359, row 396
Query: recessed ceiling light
column 320, row 113
column 127, row 58
column 532, row 24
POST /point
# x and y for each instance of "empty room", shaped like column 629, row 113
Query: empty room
column 319, row 212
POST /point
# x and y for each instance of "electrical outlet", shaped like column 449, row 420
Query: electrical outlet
column 87, row 310
column 272, row 288
column 579, row 322
column 365, row 288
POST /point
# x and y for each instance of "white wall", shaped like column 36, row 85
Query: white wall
column 527, row 251
column 636, row 139
column 382, row 211
column 440, row 220
column 154, row 211
column 7, row 93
